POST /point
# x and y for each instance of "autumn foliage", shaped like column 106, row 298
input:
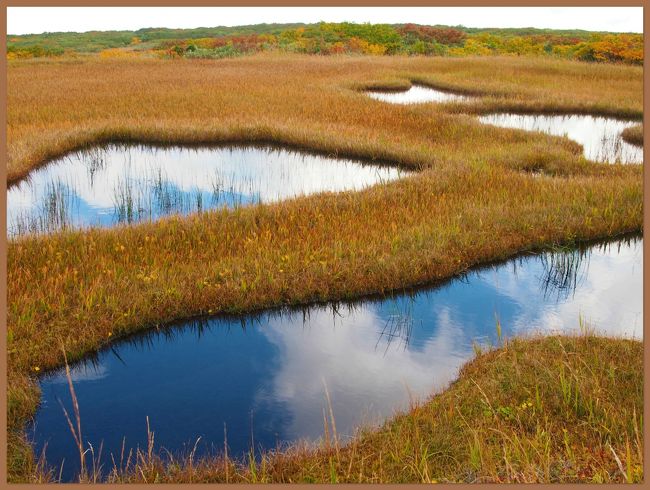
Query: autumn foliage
column 326, row 38
column 414, row 39
column 447, row 36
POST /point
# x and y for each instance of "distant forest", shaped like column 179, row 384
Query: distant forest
column 333, row 39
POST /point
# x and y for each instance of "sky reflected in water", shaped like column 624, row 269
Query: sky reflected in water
column 104, row 186
column 265, row 376
column 599, row 136
column 417, row 94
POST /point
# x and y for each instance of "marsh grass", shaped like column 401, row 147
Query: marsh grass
column 309, row 102
column 481, row 193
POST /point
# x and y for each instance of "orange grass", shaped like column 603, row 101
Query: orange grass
column 302, row 100
column 473, row 200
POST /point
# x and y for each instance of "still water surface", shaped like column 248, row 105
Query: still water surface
column 105, row 186
column 599, row 136
column 417, row 94
column 264, row 377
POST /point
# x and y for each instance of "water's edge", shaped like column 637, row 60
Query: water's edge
column 296, row 307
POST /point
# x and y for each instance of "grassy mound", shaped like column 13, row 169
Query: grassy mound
column 633, row 135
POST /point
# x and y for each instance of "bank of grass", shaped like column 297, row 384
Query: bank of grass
column 480, row 193
column 634, row 135
column 537, row 410
column 306, row 101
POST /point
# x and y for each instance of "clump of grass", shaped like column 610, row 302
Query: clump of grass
column 537, row 410
column 633, row 135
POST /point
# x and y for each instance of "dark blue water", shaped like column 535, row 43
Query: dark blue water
column 265, row 377
column 115, row 184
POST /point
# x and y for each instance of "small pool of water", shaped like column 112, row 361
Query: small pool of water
column 599, row 136
column 264, row 377
column 417, row 94
column 105, row 186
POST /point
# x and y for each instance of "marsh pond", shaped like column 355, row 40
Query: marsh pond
column 599, row 136
column 264, row 381
column 117, row 184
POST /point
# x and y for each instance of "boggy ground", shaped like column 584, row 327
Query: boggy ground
column 481, row 192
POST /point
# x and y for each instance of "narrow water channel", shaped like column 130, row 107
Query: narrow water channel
column 115, row 184
column 600, row 136
column 264, row 377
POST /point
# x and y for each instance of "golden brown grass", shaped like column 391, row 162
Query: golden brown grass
column 475, row 198
column 301, row 100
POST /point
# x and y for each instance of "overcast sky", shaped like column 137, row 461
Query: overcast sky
column 33, row 20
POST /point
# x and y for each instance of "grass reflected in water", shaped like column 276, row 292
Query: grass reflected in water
column 122, row 184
